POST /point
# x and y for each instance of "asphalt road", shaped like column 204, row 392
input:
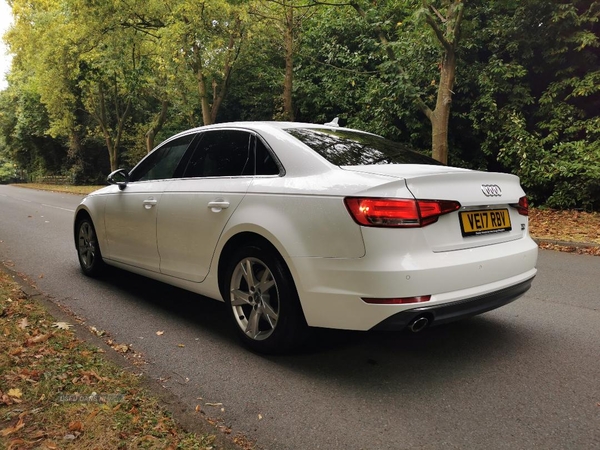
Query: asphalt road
column 524, row 376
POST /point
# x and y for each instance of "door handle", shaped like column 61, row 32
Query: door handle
column 218, row 205
column 149, row 203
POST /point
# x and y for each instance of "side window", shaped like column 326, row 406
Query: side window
column 265, row 163
column 221, row 153
column 162, row 162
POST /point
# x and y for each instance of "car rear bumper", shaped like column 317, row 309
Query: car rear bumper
column 449, row 312
column 331, row 290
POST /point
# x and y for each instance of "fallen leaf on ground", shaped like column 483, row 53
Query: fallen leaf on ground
column 121, row 348
column 40, row 434
column 76, row 425
column 37, row 339
column 16, row 444
column 15, row 393
column 62, row 325
column 5, row 399
column 23, row 323
column 10, row 430
column 91, row 416
column 16, row 352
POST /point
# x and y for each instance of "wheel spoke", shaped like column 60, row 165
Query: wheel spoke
column 87, row 258
column 252, row 328
column 266, row 281
column 239, row 298
column 85, row 232
column 269, row 314
column 246, row 266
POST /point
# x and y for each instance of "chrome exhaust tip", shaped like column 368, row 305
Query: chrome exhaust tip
column 418, row 324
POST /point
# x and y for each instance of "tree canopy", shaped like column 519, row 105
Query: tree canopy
column 504, row 85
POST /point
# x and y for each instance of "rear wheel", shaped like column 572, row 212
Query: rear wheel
column 263, row 301
column 88, row 250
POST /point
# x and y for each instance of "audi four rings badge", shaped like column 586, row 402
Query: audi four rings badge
column 491, row 190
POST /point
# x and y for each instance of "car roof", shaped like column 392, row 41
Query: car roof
column 265, row 126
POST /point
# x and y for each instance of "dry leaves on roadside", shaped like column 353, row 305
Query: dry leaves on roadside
column 13, row 429
column 38, row 339
column 568, row 226
column 62, row 325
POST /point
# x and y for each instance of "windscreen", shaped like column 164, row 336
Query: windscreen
column 353, row 148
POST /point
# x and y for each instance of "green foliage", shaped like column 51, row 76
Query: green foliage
column 530, row 89
column 91, row 76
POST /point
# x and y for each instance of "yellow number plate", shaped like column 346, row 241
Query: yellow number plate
column 474, row 223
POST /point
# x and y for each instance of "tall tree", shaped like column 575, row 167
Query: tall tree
column 287, row 17
column 205, row 39
column 444, row 18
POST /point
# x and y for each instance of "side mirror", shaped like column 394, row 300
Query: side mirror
column 120, row 177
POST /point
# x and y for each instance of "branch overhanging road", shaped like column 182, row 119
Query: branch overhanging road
column 523, row 376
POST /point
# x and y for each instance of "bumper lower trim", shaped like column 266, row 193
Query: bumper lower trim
column 449, row 312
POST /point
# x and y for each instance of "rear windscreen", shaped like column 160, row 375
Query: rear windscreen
column 353, row 148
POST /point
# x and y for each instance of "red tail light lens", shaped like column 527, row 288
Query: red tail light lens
column 522, row 206
column 403, row 213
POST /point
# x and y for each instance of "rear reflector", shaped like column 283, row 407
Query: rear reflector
column 397, row 301
column 391, row 212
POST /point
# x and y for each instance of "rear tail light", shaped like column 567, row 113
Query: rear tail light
column 522, row 206
column 403, row 213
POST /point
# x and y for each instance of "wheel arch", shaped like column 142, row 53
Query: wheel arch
column 246, row 238
column 80, row 214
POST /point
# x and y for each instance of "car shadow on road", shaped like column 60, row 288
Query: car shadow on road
column 170, row 302
column 470, row 346
column 461, row 350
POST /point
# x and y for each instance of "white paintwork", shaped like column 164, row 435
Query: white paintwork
column 130, row 224
column 334, row 262
column 192, row 214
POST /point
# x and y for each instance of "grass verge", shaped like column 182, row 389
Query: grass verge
column 80, row 190
column 57, row 391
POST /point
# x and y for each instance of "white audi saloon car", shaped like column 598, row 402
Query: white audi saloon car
column 297, row 225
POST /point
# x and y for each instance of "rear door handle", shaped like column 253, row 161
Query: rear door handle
column 218, row 205
column 149, row 203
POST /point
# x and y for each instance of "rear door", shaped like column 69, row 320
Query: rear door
column 195, row 209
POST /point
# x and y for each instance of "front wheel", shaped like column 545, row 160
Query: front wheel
column 88, row 250
column 263, row 301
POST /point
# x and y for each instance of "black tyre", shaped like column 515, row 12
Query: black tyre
column 88, row 250
column 263, row 301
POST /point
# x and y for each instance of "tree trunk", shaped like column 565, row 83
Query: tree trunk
column 204, row 103
column 112, row 154
column 440, row 117
column 202, row 91
column 288, row 82
column 157, row 125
